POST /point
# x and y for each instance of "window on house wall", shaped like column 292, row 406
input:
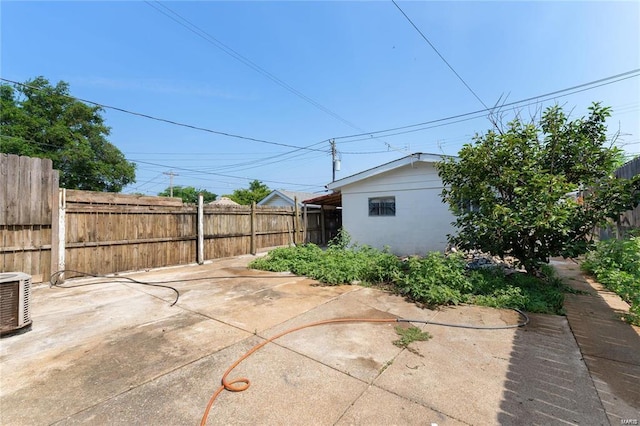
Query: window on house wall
column 382, row 206
column 468, row 207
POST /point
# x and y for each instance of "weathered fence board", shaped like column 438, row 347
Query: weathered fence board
column 28, row 187
column 113, row 233
column 110, row 198
column 43, row 228
column 109, row 233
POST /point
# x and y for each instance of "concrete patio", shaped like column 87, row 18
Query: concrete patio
column 118, row 353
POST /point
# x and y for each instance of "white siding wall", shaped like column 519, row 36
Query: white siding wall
column 422, row 220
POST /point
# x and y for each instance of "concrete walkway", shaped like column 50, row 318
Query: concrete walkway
column 610, row 347
column 118, row 354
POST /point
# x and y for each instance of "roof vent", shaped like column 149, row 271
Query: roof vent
column 15, row 303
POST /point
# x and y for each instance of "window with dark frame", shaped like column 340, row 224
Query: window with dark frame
column 382, row 206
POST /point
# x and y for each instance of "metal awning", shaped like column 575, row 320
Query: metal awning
column 333, row 199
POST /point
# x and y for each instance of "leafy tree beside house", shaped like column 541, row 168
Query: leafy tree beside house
column 44, row 121
column 256, row 192
column 189, row 194
column 510, row 189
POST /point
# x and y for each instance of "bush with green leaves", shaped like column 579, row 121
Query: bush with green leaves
column 332, row 266
column 509, row 188
column 616, row 264
column 491, row 287
column 433, row 280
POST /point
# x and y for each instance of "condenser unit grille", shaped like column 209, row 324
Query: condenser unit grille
column 15, row 302
column 26, row 298
column 8, row 305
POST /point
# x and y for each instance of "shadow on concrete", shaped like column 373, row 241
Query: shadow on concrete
column 547, row 381
column 542, row 386
column 610, row 347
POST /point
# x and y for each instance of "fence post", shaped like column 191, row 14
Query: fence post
column 296, row 223
column 253, row 228
column 323, row 230
column 200, row 244
column 58, row 234
column 305, row 224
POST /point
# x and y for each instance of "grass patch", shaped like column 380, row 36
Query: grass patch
column 410, row 335
column 616, row 265
column 432, row 280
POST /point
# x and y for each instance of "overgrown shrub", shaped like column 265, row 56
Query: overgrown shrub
column 336, row 265
column 300, row 259
column 433, row 280
column 491, row 287
column 616, row 264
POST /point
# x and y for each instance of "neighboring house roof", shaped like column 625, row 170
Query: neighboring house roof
column 287, row 196
column 409, row 159
column 223, row 201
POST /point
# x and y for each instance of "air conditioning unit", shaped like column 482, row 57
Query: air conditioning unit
column 15, row 302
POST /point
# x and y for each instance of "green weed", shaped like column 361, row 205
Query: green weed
column 433, row 280
column 410, row 335
column 334, row 266
column 616, row 265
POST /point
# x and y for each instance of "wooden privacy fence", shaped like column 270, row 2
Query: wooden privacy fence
column 106, row 233
column 28, row 195
column 44, row 229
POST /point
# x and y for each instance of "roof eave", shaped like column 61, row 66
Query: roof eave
column 409, row 159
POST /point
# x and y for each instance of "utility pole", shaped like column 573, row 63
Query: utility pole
column 171, row 175
column 333, row 159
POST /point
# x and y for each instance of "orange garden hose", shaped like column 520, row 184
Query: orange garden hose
column 242, row 383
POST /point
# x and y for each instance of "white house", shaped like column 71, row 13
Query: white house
column 397, row 204
column 282, row 198
column 319, row 225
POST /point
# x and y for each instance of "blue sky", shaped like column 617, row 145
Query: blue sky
column 344, row 68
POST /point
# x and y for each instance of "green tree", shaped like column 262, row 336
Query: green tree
column 189, row 194
column 41, row 120
column 511, row 189
column 256, row 192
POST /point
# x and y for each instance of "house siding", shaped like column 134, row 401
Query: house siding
column 422, row 221
column 278, row 201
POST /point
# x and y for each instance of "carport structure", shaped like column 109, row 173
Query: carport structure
column 330, row 214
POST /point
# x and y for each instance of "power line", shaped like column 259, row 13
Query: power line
column 165, row 166
column 603, row 82
column 181, row 20
column 164, row 120
column 440, row 55
column 563, row 92
column 217, row 174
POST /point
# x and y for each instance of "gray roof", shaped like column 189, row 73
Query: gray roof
column 289, row 196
